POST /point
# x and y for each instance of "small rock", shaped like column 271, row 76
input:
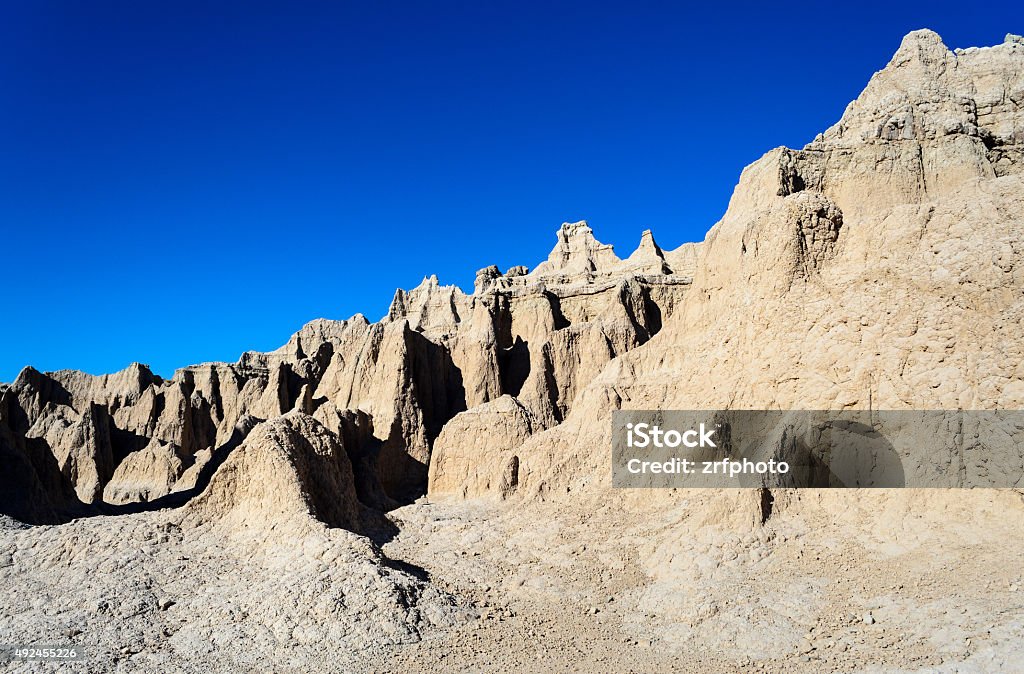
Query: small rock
column 869, row 619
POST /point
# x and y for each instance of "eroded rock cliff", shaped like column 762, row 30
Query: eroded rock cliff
column 879, row 265
column 388, row 387
column 882, row 259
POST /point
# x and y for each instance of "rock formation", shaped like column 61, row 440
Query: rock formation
column 846, row 274
column 924, row 166
column 129, row 437
column 879, row 265
column 474, row 455
column 288, row 470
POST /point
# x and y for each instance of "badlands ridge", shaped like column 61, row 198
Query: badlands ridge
column 432, row 491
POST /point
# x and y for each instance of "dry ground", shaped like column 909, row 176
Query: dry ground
column 565, row 591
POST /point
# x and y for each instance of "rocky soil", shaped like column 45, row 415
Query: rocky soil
column 614, row 589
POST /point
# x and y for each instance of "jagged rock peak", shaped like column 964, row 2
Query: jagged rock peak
column 428, row 282
column 925, row 46
column 28, row 374
column 928, row 123
column 571, row 229
column 648, row 258
column 648, row 244
column 429, row 306
column 577, row 252
column 135, row 371
column 308, row 340
column 485, row 278
column 491, row 278
column 927, row 92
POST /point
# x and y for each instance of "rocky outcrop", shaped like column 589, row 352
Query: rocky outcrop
column 883, row 252
column 872, row 268
column 289, row 471
column 389, row 387
column 577, row 254
column 926, row 124
column 879, row 266
column 32, row 487
column 648, row 258
column 474, row 455
column 81, row 445
column 147, row 474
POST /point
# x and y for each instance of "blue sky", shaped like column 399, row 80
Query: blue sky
column 180, row 182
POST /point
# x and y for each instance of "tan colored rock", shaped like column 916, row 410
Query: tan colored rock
column 409, row 386
column 147, row 474
column 648, row 258
column 929, row 122
column 32, row 487
column 81, row 445
column 289, row 472
column 880, row 265
column 430, row 308
column 190, row 476
column 475, row 453
column 577, row 253
column 683, row 260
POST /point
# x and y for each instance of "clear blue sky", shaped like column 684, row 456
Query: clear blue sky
column 183, row 181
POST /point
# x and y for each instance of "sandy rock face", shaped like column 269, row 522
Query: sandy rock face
column 130, row 436
column 146, row 475
column 874, row 206
column 881, row 265
column 486, row 435
column 890, row 261
column 288, row 470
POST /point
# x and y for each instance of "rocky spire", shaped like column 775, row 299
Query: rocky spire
column 577, row 252
column 648, row 258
